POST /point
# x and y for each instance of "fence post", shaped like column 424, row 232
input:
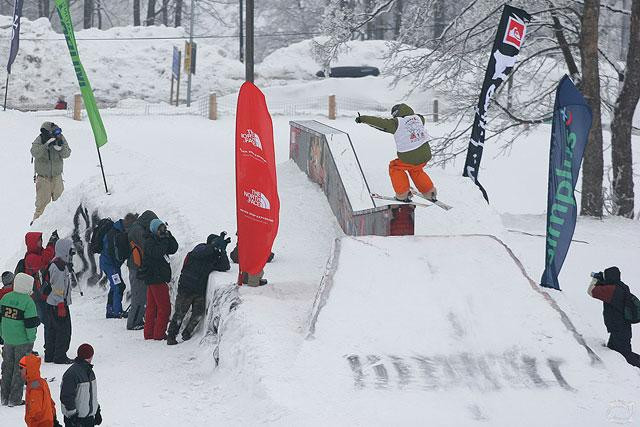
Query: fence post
column 77, row 107
column 435, row 110
column 332, row 107
column 213, row 107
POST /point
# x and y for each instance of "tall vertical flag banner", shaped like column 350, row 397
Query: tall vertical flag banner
column 97, row 126
column 257, row 202
column 15, row 33
column 509, row 39
column 15, row 44
column 569, row 134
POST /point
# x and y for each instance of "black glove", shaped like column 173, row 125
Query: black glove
column 358, row 119
column 220, row 243
column 98, row 418
column 54, row 238
column 59, row 142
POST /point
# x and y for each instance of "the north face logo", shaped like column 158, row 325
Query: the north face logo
column 515, row 32
column 258, row 199
column 252, row 138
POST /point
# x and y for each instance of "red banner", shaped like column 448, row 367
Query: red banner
column 257, row 202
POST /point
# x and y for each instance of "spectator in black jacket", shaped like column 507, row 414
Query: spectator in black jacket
column 157, row 274
column 192, row 286
column 79, row 392
column 613, row 292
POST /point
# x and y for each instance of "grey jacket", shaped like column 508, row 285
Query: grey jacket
column 48, row 160
column 79, row 390
column 59, row 274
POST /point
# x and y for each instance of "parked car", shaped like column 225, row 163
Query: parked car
column 351, row 72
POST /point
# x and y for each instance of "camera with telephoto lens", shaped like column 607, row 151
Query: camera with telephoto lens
column 599, row 276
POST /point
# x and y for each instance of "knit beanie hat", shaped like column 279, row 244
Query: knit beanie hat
column 23, row 284
column 85, row 351
column 612, row 274
column 7, row 278
column 154, row 225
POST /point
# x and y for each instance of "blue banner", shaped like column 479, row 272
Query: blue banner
column 15, row 33
column 569, row 134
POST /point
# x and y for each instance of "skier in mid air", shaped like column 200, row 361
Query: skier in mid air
column 413, row 151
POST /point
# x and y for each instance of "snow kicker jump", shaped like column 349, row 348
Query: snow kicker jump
column 432, row 322
column 326, row 155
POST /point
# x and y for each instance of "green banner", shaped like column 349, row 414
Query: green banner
column 85, row 87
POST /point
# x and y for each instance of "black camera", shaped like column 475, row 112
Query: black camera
column 598, row 276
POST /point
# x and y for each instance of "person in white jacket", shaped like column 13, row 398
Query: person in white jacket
column 58, row 336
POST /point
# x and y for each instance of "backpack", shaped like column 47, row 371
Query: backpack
column 98, row 233
column 19, row 267
column 45, row 284
column 632, row 309
column 136, row 254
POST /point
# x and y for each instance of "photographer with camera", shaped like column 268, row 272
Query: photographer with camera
column 619, row 312
column 157, row 274
column 49, row 151
column 192, row 287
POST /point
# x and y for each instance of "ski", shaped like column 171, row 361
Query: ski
column 393, row 199
column 438, row 203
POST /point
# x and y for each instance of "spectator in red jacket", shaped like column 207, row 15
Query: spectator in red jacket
column 36, row 259
column 61, row 104
column 608, row 288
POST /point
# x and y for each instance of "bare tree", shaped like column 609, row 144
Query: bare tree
column 621, row 152
column 165, row 12
column 136, row 13
column 43, row 8
column 397, row 18
column 88, row 14
column 151, row 12
column 178, row 15
column 592, row 164
column 439, row 18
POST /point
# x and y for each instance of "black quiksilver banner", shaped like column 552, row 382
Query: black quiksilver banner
column 509, row 38
column 15, row 33
column 569, row 134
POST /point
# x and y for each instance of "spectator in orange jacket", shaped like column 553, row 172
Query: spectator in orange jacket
column 40, row 410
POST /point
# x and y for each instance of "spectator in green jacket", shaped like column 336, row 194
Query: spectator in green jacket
column 49, row 151
column 18, row 324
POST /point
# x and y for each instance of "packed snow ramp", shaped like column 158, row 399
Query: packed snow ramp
column 445, row 330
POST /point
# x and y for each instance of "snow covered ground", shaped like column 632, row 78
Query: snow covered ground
column 182, row 168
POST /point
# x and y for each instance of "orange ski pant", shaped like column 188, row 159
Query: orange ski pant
column 398, row 172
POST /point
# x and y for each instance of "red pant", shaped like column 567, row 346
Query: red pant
column 156, row 316
column 398, row 172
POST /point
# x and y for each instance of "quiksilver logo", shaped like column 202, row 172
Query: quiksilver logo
column 250, row 137
column 258, row 199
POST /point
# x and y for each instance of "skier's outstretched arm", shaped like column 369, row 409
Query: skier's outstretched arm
column 385, row 125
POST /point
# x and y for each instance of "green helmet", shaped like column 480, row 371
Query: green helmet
column 401, row 110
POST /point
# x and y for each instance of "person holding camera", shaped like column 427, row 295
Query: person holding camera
column 49, row 150
column 156, row 271
column 192, row 286
column 615, row 295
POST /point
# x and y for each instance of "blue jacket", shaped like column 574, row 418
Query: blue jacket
column 115, row 248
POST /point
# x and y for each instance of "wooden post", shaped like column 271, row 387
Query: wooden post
column 77, row 107
column 332, row 107
column 213, row 107
column 435, row 110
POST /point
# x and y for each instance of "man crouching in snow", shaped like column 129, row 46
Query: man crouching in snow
column 608, row 288
column 192, row 286
column 412, row 148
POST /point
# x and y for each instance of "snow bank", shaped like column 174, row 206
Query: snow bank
column 116, row 69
